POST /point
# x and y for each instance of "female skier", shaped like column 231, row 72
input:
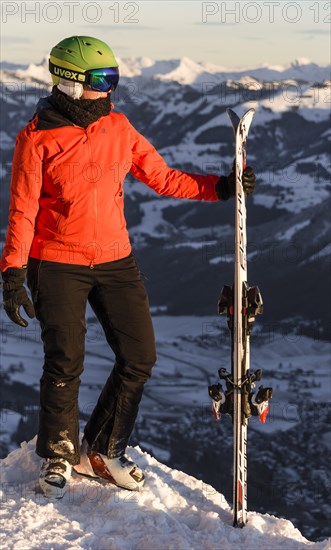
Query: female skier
column 68, row 233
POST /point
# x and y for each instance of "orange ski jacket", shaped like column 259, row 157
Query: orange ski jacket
column 67, row 198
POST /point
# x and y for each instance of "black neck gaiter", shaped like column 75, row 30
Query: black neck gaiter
column 81, row 112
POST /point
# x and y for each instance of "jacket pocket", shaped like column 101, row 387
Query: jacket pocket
column 55, row 213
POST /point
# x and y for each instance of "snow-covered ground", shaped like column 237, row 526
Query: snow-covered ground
column 173, row 511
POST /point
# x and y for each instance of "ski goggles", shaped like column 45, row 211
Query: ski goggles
column 102, row 80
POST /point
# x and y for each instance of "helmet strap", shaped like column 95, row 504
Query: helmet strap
column 70, row 88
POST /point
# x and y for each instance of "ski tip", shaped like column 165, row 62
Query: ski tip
column 234, row 119
column 233, row 115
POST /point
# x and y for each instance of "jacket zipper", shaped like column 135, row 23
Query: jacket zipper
column 95, row 198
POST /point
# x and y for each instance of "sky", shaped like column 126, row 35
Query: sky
column 230, row 34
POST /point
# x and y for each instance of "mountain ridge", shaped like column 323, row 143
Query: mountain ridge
column 187, row 71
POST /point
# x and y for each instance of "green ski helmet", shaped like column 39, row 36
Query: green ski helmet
column 86, row 60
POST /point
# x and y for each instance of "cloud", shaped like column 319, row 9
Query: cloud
column 15, row 39
column 257, row 38
column 215, row 24
column 119, row 27
column 122, row 50
column 314, row 31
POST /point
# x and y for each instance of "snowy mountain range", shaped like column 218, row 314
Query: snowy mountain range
column 187, row 71
column 185, row 251
column 180, row 105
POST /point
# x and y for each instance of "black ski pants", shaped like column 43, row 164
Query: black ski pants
column 118, row 297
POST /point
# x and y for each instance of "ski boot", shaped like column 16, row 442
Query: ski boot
column 120, row 471
column 53, row 477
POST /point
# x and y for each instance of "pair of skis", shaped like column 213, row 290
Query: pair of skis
column 241, row 304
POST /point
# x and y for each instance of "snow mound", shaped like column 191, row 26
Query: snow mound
column 172, row 511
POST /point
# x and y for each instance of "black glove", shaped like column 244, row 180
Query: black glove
column 249, row 180
column 226, row 185
column 15, row 295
